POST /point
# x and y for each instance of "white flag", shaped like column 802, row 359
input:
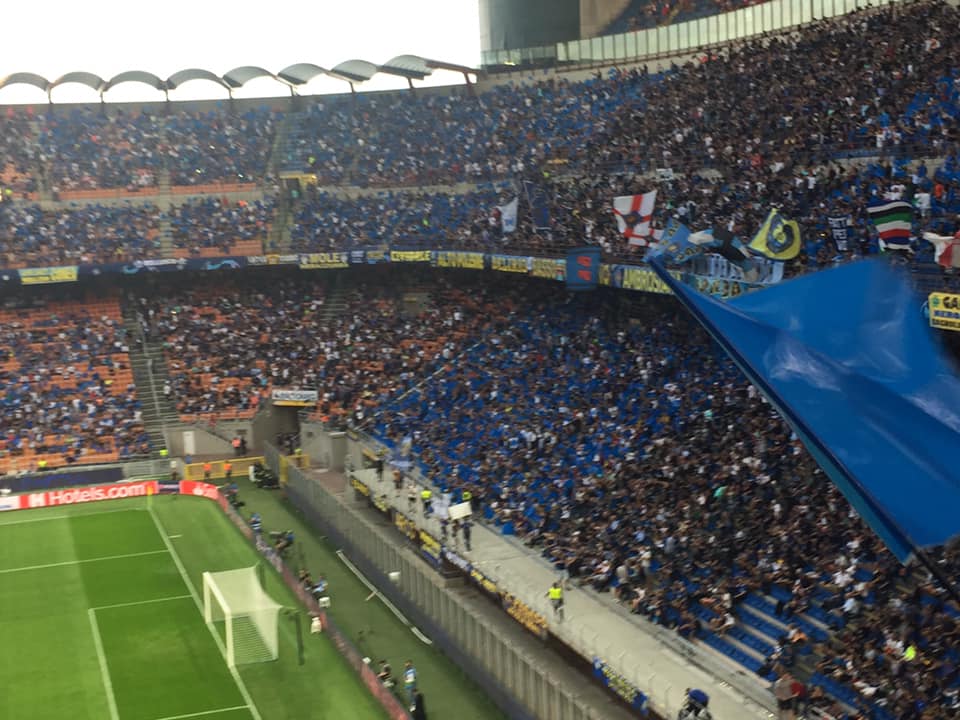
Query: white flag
column 508, row 216
column 634, row 213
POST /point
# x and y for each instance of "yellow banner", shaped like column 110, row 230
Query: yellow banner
column 549, row 268
column 483, row 581
column 48, row 275
column 509, row 263
column 359, row 486
column 644, row 280
column 409, row 256
column 430, row 545
column 405, row 525
column 322, row 261
column 944, row 311
column 450, row 259
column 525, row 615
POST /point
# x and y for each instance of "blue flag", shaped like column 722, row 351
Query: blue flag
column 846, row 358
column 674, row 247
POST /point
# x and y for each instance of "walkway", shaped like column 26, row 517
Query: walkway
column 655, row 659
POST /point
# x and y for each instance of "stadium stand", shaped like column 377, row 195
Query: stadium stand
column 643, row 465
column 227, row 347
column 84, row 152
column 17, row 157
column 634, row 457
column 67, row 389
column 93, row 233
column 217, row 226
column 641, row 14
column 218, row 147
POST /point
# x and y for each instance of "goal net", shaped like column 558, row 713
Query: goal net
column 249, row 615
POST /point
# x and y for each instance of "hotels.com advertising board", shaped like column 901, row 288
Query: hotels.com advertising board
column 96, row 493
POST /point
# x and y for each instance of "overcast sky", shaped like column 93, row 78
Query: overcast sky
column 106, row 37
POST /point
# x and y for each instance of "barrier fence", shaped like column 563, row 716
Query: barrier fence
column 490, row 656
column 585, row 643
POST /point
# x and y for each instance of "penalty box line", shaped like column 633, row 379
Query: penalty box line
column 142, row 602
column 205, row 712
column 191, row 588
column 67, row 563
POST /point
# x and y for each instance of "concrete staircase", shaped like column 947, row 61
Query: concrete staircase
column 336, row 301
column 149, row 373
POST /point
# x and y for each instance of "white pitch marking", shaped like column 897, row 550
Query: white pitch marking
column 196, row 601
column 104, row 670
column 142, row 602
column 80, row 562
column 205, row 712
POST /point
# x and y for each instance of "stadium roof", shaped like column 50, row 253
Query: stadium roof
column 411, row 67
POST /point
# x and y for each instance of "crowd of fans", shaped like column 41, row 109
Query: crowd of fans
column 17, row 156
column 227, row 347
column 634, row 457
column 214, row 222
column 66, row 388
column 723, row 110
column 33, row 237
column 94, row 149
column 640, row 461
column 643, row 14
column 215, row 146
column 330, row 222
column 734, row 139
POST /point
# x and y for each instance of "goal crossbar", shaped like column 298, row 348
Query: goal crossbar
column 250, row 616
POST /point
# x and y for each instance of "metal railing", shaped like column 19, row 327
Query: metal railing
column 591, row 645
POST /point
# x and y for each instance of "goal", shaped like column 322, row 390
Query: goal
column 249, row 615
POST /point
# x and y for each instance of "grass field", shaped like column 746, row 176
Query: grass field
column 451, row 693
column 100, row 619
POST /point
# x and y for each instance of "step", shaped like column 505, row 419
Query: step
column 760, row 645
column 771, row 627
column 732, row 650
column 766, row 604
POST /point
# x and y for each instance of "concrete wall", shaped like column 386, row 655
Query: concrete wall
column 325, row 449
column 204, row 442
column 506, row 662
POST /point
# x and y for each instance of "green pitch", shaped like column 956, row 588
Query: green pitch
column 101, row 619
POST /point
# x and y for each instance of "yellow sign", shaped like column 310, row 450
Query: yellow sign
column 509, row 263
column 359, row 486
column 48, row 275
column 525, row 615
column 430, row 545
column 409, row 256
column 604, row 276
column 644, row 280
column 321, row 261
column 944, row 309
column 483, row 581
column 549, row 268
column 405, row 525
column 470, row 260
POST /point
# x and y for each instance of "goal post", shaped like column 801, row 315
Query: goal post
column 250, row 616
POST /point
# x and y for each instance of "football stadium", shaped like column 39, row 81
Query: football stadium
column 573, row 361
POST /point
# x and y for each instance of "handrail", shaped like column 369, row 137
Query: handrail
column 704, row 659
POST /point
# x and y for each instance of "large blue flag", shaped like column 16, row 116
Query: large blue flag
column 846, row 357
